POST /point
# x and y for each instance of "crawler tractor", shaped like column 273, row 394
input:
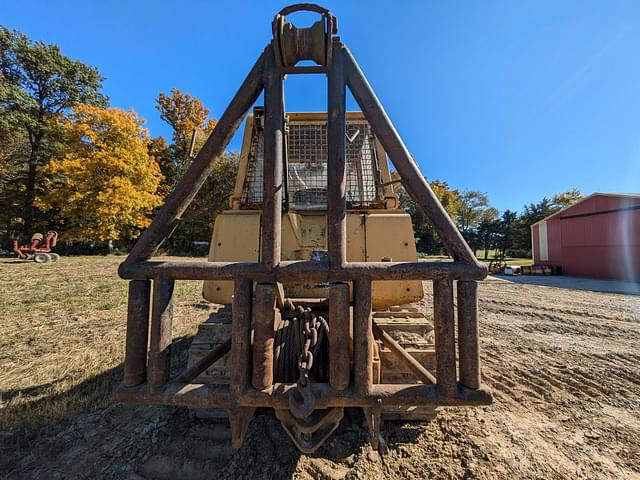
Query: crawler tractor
column 318, row 263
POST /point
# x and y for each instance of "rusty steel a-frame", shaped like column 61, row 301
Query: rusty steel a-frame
column 148, row 345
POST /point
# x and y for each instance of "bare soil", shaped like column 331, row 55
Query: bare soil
column 563, row 366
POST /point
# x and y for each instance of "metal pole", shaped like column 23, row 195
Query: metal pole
column 135, row 357
column 160, row 342
column 191, row 373
column 304, row 271
column 264, row 311
column 218, row 396
column 339, row 358
column 468, row 334
column 362, row 337
column 418, row 370
column 272, row 167
column 445, row 336
column 241, row 335
column 336, row 162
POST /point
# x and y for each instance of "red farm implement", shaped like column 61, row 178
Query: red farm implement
column 39, row 250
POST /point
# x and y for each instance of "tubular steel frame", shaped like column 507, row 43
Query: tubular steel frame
column 147, row 363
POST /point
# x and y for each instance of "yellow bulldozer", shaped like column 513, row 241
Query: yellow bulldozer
column 318, row 264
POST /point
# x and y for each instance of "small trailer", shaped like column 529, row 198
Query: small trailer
column 39, row 250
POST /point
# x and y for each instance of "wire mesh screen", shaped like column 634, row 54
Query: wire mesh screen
column 252, row 191
column 307, row 166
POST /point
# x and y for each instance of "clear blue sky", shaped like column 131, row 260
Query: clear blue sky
column 517, row 99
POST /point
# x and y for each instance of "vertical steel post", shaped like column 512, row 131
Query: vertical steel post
column 362, row 337
column 468, row 333
column 264, row 312
column 336, row 161
column 445, row 335
column 339, row 371
column 160, row 342
column 135, row 357
column 272, row 167
column 241, row 336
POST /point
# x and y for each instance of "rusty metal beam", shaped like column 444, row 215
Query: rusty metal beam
column 336, row 163
column 271, row 221
column 468, row 348
column 219, row 396
column 445, row 335
column 418, row 370
column 135, row 357
column 339, row 358
column 362, row 337
column 264, row 311
column 412, row 178
column 241, row 336
column 169, row 214
column 292, row 271
column 160, row 341
column 239, row 419
column 191, row 373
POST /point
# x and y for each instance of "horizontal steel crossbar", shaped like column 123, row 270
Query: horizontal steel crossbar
column 219, row 396
column 302, row 270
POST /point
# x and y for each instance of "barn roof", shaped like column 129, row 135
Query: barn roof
column 596, row 194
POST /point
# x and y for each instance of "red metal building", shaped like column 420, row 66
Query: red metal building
column 597, row 237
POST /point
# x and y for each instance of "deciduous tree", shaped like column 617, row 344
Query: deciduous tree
column 104, row 185
column 186, row 115
column 473, row 208
column 427, row 240
column 38, row 84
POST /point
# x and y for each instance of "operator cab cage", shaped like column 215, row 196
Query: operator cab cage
column 305, row 164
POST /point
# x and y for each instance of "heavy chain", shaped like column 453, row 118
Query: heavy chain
column 310, row 326
column 310, row 331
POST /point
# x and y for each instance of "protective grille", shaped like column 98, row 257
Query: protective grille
column 307, row 166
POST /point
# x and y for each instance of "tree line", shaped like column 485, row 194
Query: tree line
column 486, row 230
column 71, row 162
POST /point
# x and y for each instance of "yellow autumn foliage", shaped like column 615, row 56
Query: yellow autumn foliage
column 104, row 183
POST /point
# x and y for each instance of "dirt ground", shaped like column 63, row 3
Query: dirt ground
column 563, row 366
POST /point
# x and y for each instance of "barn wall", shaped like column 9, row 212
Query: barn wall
column 535, row 243
column 594, row 238
column 605, row 245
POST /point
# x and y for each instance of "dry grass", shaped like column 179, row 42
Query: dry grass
column 62, row 331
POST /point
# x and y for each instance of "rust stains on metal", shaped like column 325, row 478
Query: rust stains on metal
column 339, row 358
column 135, row 357
column 191, row 373
column 296, row 271
column 444, row 332
column 241, row 335
column 419, row 371
column 264, row 313
column 468, row 348
column 362, row 337
column 219, row 396
column 160, row 341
